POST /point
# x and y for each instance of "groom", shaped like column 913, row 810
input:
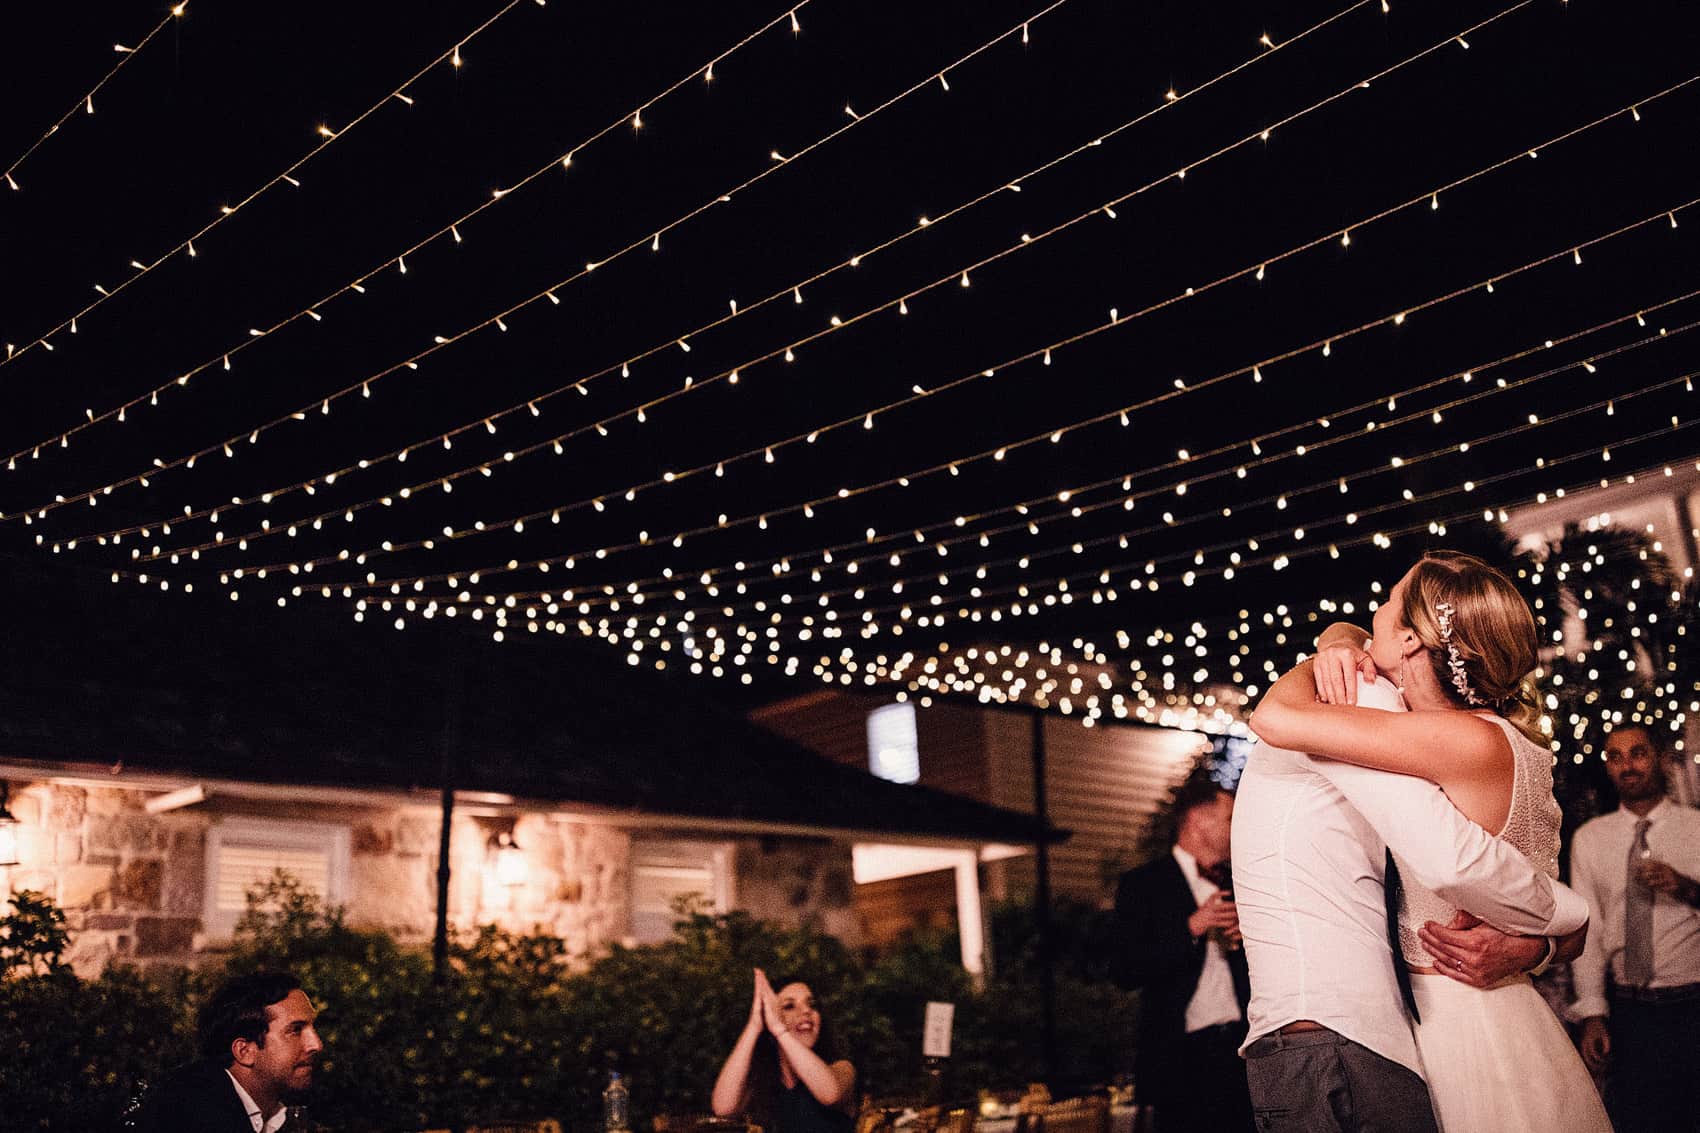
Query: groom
column 1330, row 1044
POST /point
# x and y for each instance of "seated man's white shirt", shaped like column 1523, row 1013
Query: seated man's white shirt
column 1213, row 1001
column 255, row 1117
column 1309, row 843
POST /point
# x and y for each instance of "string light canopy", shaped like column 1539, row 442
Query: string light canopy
column 357, row 285
column 792, row 291
column 1087, row 343
column 288, row 176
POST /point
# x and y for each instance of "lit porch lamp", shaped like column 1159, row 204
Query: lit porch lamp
column 8, row 828
column 511, row 866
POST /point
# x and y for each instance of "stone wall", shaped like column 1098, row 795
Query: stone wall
column 133, row 884
column 801, row 882
column 577, row 885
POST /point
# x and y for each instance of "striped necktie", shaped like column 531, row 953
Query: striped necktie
column 1637, row 915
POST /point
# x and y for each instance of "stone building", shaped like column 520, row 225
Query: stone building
column 1106, row 785
column 160, row 763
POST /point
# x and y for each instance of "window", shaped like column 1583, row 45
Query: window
column 665, row 871
column 894, row 752
column 243, row 853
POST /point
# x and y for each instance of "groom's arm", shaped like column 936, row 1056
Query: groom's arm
column 1445, row 852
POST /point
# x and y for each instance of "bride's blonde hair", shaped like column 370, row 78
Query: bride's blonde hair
column 1490, row 649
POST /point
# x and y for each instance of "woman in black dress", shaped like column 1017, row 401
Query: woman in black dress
column 784, row 1072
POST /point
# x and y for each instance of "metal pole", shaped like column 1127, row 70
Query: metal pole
column 451, row 736
column 1042, row 898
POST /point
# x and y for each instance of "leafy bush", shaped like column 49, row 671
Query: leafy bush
column 77, row 1050
column 32, row 935
column 512, row 1032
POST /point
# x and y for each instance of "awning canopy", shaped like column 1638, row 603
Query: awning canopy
column 190, row 686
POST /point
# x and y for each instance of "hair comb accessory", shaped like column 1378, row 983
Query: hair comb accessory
column 1460, row 678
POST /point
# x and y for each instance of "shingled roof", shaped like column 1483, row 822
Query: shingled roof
column 202, row 687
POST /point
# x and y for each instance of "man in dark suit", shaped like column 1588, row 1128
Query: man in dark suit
column 1178, row 944
column 258, row 1047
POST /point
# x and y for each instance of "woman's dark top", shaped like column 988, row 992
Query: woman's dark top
column 800, row 1112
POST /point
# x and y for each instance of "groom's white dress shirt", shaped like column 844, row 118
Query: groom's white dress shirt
column 1310, row 839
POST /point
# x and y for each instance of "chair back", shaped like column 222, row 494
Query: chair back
column 1074, row 1115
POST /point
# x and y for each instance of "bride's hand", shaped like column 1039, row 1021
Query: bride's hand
column 1337, row 669
column 756, row 1020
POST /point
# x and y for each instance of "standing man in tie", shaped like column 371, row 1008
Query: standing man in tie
column 1178, row 943
column 1638, row 868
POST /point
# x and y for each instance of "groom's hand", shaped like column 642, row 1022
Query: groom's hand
column 1478, row 954
column 1596, row 1044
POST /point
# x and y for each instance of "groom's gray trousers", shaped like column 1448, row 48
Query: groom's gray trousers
column 1320, row 1082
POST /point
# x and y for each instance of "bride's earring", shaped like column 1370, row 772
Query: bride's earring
column 1401, row 676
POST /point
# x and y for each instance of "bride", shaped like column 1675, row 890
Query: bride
column 1460, row 643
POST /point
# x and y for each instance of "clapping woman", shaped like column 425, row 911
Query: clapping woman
column 784, row 1072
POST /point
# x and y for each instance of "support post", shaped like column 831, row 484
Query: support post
column 1042, row 902
column 451, row 738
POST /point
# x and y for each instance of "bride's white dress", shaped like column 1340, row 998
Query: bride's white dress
column 1497, row 1058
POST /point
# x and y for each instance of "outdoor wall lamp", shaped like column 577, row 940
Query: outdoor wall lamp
column 8, row 827
column 511, row 866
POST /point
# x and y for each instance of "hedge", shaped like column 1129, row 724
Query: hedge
column 513, row 1033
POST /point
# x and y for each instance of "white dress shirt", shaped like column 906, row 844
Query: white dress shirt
column 1599, row 863
column 1213, row 1001
column 1310, row 839
column 255, row 1117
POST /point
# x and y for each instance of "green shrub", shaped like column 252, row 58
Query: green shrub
column 32, row 935
column 511, row 1032
column 77, row 1050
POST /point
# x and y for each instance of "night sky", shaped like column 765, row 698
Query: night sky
column 1403, row 197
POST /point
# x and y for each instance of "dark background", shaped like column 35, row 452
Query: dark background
column 230, row 95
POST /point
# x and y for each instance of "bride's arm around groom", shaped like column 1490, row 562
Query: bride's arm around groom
column 1441, row 850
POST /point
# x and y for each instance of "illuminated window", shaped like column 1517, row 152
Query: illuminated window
column 246, row 853
column 894, row 752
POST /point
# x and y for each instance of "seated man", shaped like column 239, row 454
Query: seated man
column 258, row 1047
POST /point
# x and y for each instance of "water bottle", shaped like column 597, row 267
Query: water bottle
column 616, row 1105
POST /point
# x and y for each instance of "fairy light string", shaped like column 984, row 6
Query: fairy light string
column 1123, row 538
column 1159, row 636
column 777, row 568
column 85, row 103
column 628, row 640
column 1239, row 635
column 1030, row 602
column 991, row 452
column 186, row 247
column 321, row 405
column 960, row 520
column 219, row 363
column 1190, row 576
column 791, row 291
column 730, row 374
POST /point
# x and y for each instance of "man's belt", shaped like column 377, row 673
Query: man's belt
column 1682, row 993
